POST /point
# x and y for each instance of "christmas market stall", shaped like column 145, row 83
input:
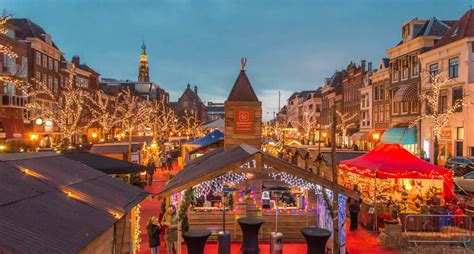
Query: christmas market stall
column 392, row 182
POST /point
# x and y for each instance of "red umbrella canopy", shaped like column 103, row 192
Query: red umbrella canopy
column 394, row 161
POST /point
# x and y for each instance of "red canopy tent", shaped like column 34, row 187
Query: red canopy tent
column 393, row 161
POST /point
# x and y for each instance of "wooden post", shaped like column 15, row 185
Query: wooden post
column 130, row 143
column 335, row 191
column 180, row 230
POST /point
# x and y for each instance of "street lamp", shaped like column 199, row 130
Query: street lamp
column 39, row 121
column 376, row 136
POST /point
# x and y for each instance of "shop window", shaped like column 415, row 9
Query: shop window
column 457, row 96
column 453, row 67
column 459, row 148
column 460, row 133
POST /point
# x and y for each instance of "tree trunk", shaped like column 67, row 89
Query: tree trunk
column 335, row 191
column 435, row 150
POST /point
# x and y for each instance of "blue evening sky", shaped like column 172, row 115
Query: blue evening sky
column 291, row 45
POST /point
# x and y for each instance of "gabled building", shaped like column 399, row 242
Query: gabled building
column 451, row 58
column 332, row 97
column 418, row 36
column 189, row 104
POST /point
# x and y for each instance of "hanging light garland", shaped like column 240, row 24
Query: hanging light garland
column 217, row 184
column 137, row 232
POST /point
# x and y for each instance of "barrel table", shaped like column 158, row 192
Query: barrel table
column 316, row 239
column 195, row 240
column 250, row 227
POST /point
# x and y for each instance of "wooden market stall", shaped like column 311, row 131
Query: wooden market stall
column 393, row 180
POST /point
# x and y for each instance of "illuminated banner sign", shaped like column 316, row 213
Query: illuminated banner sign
column 244, row 120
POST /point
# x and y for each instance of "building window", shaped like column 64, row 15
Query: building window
column 404, row 69
column 38, row 76
column 395, row 72
column 457, row 97
column 453, row 67
column 45, row 79
column 443, row 103
column 414, row 66
column 404, row 107
column 9, row 88
column 55, row 84
column 376, row 93
column 460, row 133
column 50, row 83
column 50, row 66
column 387, row 112
column 471, row 151
column 433, row 71
column 45, row 61
column 381, row 92
column 38, row 58
column 396, row 107
column 376, row 115
column 414, row 107
column 381, row 114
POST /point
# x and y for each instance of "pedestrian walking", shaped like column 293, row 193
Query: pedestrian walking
column 150, row 170
column 153, row 229
column 354, row 209
column 164, row 160
column 169, row 162
column 170, row 220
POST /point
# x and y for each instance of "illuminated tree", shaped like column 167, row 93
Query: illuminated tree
column 65, row 108
column 7, row 50
column 104, row 111
column 190, row 125
column 164, row 119
column 134, row 112
column 344, row 122
column 307, row 125
column 435, row 112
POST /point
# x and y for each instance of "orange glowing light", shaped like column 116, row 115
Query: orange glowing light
column 376, row 136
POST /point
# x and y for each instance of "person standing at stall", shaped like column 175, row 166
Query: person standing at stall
column 153, row 229
column 170, row 221
column 163, row 160
column 354, row 209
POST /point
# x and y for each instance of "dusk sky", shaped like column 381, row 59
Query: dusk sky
column 290, row 45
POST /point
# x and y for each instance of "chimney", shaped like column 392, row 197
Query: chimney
column 369, row 66
column 76, row 60
column 196, row 89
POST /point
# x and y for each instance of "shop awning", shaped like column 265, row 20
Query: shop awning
column 399, row 135
column 406, row 93
column 11, row 128
column 360, row 136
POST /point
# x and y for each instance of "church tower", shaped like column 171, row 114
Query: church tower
column 243, row 114
column 143, row 74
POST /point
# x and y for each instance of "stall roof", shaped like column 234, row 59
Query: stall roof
column 114, row 148
column 211, row 137
column 220, row 161
column 341, row 156
column 392, row 160
column 219, row 124
column 103, row 163
column 37, row 215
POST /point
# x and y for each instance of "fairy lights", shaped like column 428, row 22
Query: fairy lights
column 217, row 184
column 136, row 230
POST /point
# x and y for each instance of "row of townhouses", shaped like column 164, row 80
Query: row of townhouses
column 385, row 103
column 39, row 59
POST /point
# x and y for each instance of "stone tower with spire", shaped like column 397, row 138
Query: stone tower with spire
column 243, row 114
column 143, row 73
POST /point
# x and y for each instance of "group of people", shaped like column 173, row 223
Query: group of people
column 165, row 162
column 169, row 221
